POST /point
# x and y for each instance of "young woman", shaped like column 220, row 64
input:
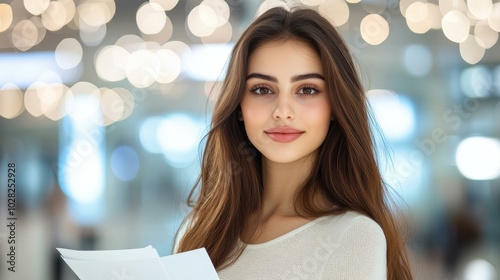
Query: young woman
column 290, row 187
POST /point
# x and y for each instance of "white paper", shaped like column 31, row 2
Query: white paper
column 129, row 254
column 139, row 264
column 195, row 264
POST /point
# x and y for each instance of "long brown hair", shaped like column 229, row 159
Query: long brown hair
column 345, row 172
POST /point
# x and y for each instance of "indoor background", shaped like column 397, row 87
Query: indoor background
column 104, row 104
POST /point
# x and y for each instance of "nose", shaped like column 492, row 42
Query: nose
column 284, row 109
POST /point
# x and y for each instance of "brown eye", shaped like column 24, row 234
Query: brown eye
column 261, row 90
column 308, row 91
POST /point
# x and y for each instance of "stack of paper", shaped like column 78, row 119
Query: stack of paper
column 139, row 264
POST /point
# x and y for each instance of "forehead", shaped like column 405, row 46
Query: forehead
column 284, row 57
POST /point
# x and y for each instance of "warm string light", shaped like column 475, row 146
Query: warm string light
column 336, row 11
column 5, row 16
column 473, row 24
column 11, row 101
column 89, row 17
column 56, row 100
column 142, row 63
column 209, row 20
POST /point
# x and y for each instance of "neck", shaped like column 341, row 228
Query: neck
column 280, row 182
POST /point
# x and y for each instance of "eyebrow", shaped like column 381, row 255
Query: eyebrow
column 293, row 79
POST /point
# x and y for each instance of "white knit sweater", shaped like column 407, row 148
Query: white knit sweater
column 347, row 246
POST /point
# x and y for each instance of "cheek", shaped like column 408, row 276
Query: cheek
column 319, row 113
column 326, row 110
column 253, row 111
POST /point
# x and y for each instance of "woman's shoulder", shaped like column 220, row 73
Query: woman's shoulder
column 357, row 248
column 352, row 224
column 347, row 217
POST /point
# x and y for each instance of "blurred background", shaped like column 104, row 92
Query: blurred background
column 103, row 105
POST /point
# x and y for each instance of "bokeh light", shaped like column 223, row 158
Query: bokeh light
column 456, row 26
column 142, row 68
column 312, row 2
column 202, row 21
column 494, row 18
column 42, row 31
column 116, row 104
column 167, row 5
column 81, row 168
column 151, row 18
column 446, row 6
column 210, row 61
column 147, row 134
column 221, row 35
column 476, row 82
column 169, row 66
column 478, row 158
column 374, row 29
column 480, row 269
column 179, row 135
column 112, row 106
column 480, row 9
column 124, row 163
column 394, row 113
column 57, row 101
column 95, row 13
column 5, row 16
column 68, row 53
column 111, row 62
column 128, row 101
column 182, row 50
column 221, row 9
column 36, row 7
column 87, row 107
column 404, row 4
column 11, row 101
column 93, row 36
column 336, row 11
column 374, row 6
column 163, row 35
column 434, row 15
column 400, row 172
column 54, row 17
column 24, row 35
column 483, row 32
column 70, row 10
column 131, row 42
column 32, row 100
column 418, row 17
column 472, row 49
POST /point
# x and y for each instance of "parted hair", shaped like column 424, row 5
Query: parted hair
column 345, row 171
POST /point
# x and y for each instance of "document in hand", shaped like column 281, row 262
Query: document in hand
column 139, row 264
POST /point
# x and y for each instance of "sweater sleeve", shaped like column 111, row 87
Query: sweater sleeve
column 361, row 253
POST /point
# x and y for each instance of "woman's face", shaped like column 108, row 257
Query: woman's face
column 285, row 107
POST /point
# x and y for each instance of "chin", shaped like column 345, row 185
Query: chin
column 280, row 158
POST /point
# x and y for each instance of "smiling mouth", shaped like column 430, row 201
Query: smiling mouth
column 284, row 137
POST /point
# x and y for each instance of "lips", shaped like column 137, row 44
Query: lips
column 284, row 134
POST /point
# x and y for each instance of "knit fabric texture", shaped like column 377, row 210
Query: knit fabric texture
column 346, row 246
